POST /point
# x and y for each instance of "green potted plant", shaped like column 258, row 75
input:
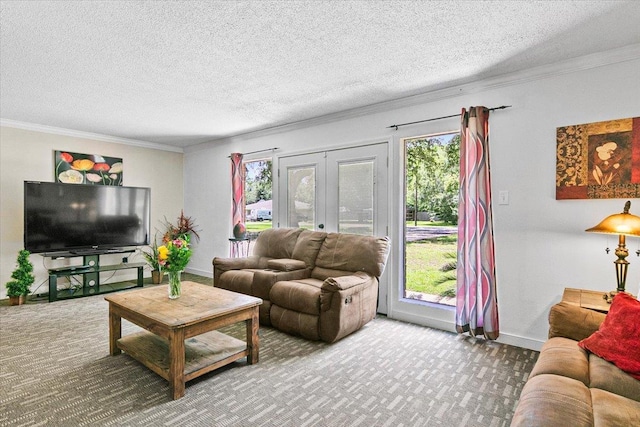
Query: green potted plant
column 152, row 258
column 22, row 277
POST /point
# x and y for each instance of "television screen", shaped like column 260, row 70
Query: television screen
column 71, row 217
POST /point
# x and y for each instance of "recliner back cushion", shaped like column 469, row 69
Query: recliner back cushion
column 352, row 252
column 276, row 242
column 324, row 273
column 308, row 246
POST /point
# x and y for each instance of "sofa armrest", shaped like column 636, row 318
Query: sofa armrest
column 344, row 286
column 341, row 283
column 571, row 321
column 227, row 264
column 221, row 265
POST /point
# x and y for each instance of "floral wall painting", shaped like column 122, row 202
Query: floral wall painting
column 598, row 160
column 91, row 169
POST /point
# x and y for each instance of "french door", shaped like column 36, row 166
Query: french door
column 341, row 190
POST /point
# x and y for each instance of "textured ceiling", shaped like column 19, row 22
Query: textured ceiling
column 179, row 73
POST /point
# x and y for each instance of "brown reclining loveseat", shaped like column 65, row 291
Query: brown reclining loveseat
column 321, row 286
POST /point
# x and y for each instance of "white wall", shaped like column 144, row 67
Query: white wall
column 27, row 155
column 541, row 246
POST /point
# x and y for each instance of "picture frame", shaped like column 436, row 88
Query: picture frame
column 88, row 169
column 599, row 160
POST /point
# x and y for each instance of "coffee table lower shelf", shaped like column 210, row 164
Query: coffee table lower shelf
column 203, row 353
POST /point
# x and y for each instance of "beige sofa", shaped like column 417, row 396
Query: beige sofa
column 570, row 387
column 321, row 286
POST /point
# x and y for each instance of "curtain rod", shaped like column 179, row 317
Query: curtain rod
column 259, row 151
column 502, row 107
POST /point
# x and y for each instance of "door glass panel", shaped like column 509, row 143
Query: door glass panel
column 432, row 169
column 257, row 193
column 355, row 197
column 301, row 197
column 340, row 190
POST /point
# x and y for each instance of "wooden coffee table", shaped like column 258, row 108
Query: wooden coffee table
column 169, row 348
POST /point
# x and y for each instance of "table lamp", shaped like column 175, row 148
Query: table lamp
column 622, row 224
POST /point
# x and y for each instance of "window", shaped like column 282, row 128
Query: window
column 257, row 190
column 431, row 217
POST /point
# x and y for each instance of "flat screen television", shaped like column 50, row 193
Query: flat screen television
column 82, row 219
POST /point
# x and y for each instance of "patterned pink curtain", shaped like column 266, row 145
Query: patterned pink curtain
column 476, row 304
column 237, row 188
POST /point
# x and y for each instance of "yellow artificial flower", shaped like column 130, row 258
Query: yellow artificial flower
column 163, row 252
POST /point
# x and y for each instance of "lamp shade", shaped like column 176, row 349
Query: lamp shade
column 622, row 223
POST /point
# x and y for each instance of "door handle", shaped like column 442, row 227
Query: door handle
column 320, row 226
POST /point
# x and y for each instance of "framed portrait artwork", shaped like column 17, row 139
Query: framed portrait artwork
column 598, row 160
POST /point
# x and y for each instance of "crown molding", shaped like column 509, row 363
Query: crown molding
column 587, row 62
column 87, row 135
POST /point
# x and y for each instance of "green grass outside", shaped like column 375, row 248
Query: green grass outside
column 429, row 224
column 424, row 260
column 257, row 226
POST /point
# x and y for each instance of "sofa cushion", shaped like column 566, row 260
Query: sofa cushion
column 263, row 280
column 606, row 376
column 324, row 273
column 562, row 356
column 337, row 253
column 308, row 245
column 618, row 336
column 298, row 295
column 286, row 264
column 612, row 410
column 276, row 242
column 553, row 400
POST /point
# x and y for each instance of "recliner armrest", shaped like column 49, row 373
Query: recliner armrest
column 227, row 264
column 345, row 287
column 341, row 283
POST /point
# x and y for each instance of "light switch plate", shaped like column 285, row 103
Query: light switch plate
column 503, row 197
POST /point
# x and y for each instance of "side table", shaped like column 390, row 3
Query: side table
column 593, row 300
column 239, row 247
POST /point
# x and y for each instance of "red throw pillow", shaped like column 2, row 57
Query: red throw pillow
column 618, row 338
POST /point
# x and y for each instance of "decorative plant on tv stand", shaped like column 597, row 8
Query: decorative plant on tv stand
column 23, row 278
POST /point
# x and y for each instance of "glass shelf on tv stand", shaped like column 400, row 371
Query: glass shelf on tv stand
column 86, row 252
column 90, row 271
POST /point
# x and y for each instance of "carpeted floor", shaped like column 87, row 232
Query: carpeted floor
column 55, row 370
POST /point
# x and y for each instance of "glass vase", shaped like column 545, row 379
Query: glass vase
column 174, row 284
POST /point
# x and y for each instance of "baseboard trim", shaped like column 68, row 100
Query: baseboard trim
column 444, row 325
column 430, row 322
column 204, row 273
column 519, row 341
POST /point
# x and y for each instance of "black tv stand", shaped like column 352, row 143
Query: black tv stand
column 90, row 270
